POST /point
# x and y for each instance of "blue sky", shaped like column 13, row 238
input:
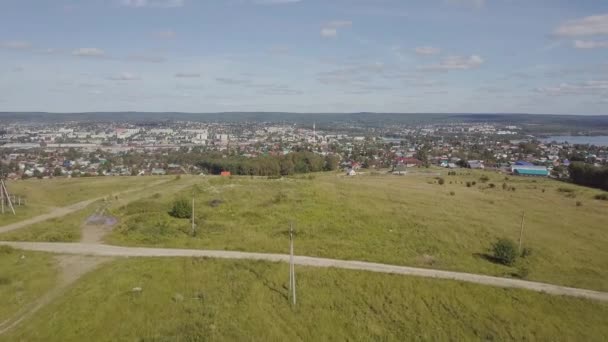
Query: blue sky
column 531, row 56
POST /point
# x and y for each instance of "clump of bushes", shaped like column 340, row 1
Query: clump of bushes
column 601, row 197
column 441, row 181
column 505, row 251
column 6, row 249
column 452, row 193
column 566, row 190
column 468, row 184
column 492, row 185
column 215, row 202
column 579, row 203
column 181, row 209
column 451, row 173
column 484, row 178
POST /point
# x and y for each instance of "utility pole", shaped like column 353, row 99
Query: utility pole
column 521, row 232
column 292, row 271
column 192, row 216
column 6, row 195
column 2, row 196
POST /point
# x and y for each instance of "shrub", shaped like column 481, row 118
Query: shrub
column 601, row 197
column 526, row 252
column 441, row 181
column 567, row 190
column 579, row 203
column 505, row 251
column 492, row 185
column 452, row 193
column 513, row 188
column 5, row 280
column 181, row 209
column 484, row 178
column 474, row 183
column 6, row 249
column 468, row 184
column 504, row 186
column 522, row 272
column 178, row 177
column 543, row 190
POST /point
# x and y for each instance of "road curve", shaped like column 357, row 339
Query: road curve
column 117, row 251
column 63, row 211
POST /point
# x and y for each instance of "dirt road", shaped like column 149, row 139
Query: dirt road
column 59, row 212
column 107, row 250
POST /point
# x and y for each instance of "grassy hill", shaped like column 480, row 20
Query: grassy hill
column 408, row 220
column 219, row 300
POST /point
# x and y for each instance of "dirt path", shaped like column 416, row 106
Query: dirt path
column 71, row 268
column 116, row 251
column 59, row 212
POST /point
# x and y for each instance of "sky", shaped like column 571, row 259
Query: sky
column 396, row 56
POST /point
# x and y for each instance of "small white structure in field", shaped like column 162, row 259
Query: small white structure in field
column 351, row 172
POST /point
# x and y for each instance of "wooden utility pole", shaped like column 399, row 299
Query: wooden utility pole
column 6, row 195
column 292, row 271
column 2, row 197
column 521, row 232
column 192, row 216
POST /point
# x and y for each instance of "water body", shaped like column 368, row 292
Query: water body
column 598, row 140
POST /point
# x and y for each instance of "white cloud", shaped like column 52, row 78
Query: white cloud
column 587, row 26
column 456, row 63
column 125, row 76
column 329, row 32
column 187, row 75
column 88, row 52
column 231, row 81
column 468, row 3
column 590, row 44
column 584, row 88
column 166, row 34
column 330, row 29
column 146, row 59
column 427, row 50
column 16, row 44
column 152, row 3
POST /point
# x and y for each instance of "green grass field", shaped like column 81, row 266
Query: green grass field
column 218, row 300
column 41, row 195
column 24, row 277
column 407, row 220
column 68, row 228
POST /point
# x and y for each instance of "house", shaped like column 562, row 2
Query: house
column 476, row 164
column 535, row 171
column 225, row 174
column 351, row 172
column 158, row 172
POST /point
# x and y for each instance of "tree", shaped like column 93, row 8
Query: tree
column 181, row 209
column 505, row 251
column 57, row 172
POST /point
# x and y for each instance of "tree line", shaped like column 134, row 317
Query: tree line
column 291, row 163
column 589, row 175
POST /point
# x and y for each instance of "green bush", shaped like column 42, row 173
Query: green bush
column 441, row 181
column 601, row 197
column 468, row 184
column 484, row 178
column 505, row 251
column 181, row 209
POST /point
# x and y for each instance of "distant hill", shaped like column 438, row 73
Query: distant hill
column 533, row 122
